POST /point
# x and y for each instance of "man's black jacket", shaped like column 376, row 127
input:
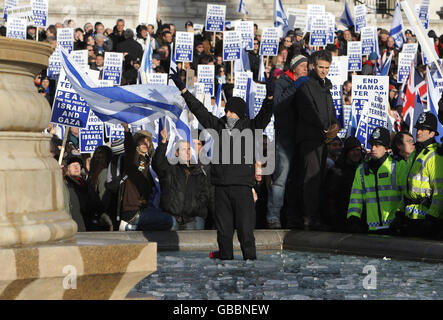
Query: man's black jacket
column 185, row 190
column 315, row 110
column 231, row 174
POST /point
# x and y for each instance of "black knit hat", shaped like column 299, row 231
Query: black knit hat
column 73, row 159
column 350, row 143
column 236, row 105
column 427, row 121
column 380, row 136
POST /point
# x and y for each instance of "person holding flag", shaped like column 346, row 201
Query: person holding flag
column 377, row 188
column 234, row 201
column 423, row 195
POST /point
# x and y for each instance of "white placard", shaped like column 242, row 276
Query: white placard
column 9, row 4
column 40, row 12
column 368, row 35
column 354, row 56
column 16, row 28
column 184, row 46
column 404, row 66
column 65, row 38
column 241, row 84
column 246, row 30
column 314, row 10
column 205, row 75
column 269, row 42
column 215, row 17
column 157, row 78
column 297, row 18
column 113, row 67
column 360, row 17
column 231, row 45
column 339, row 68
column 22, row 12
column 81, row 58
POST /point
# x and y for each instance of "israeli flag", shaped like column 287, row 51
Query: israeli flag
column 261, row 70
column 280, row 18
column 433, row 98
column 133, row 104
column 346, row 17
column 172, row 65
column 397, row 27
column 387, row 66
column 146, row 65
column 183, row 132
column 217, row 110
column 242, row 7
column 242, row 64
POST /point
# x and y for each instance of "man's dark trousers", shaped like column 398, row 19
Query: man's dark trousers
column 313, row 157
column 234, row 208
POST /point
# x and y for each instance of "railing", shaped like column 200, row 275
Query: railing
column 383, row 7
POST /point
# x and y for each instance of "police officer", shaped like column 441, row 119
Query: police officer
column 423, row 195
column 377, row 188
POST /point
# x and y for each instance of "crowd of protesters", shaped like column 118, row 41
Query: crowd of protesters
column 314, row 184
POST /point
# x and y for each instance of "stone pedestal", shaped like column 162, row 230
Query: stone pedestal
column 40, row 255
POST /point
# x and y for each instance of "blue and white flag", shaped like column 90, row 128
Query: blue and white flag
column 397, row 27
column 280, row 18
column 385, row 70
column 217, row 110
column 346, row 17
column 433, row 99
column 261, row 70
column 242, row 7
column 242, row 64
column 133, row 104
column 172, row 65
column 146, row 65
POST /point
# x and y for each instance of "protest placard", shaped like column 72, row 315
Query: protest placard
column 157, row 78
column 231, row 46
column 40, row 12
column 297, row 18
column 336, row 93
column 184, row 46
column 55, row 65
column 404, row 66
column 410, row 48
column 330, row 31
column 313, row 11
column 115, row 131
column 113, row 67
column 246, row 30
column 354, row 55
column 9, row 4
column 269, row 42
column 81, row 58
column 373, row 90
column 16, row 28
column 368, row 44
column 69, row 108
column 91, row 136
column 256, row 98
column 65, row 38
column 241, row 84
column 205, row 75
column 215, row 17
column 22, row 12
column 339, row 68
column 360, row 17
column 319, row 27
column 423, row 13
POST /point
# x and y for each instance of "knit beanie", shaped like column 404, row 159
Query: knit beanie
column 117, row 146
column 236, row 105
column 297, row 60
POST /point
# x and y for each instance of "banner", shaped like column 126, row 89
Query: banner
column 297, row 18
column 313, row 11
column 184, row 46
column 241, row 84
column 360, row 17
column 65, row 38
column 231, row 46
column 368, row 44
column 9, row 4
column 404, row 66
column 80, row 57
column 354, row 56
column 157, row 78
column 246, row 30
column 205, row 75
column 339, row 68
column 373, row 90
column 115, row 131
column 69, row 108
column 40, row 12
column 16, row 28
column 269, row 42
column 215, row 17
column 113, row 67
column 91, row 136
column 22, row 12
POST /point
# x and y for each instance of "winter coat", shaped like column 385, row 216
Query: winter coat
column 284, row 109
column 86, row 202
column 184, row 190
column 254, row 63
column 134, row 50
column 231, row 174
column 315, row 111
column 116, row 38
